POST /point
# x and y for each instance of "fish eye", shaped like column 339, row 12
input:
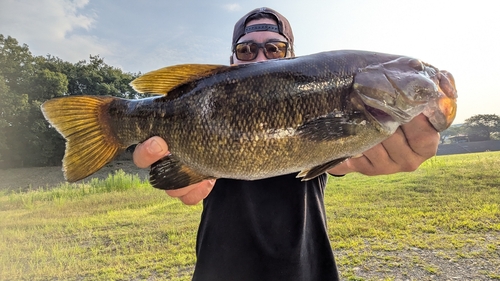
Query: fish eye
column 416, row 64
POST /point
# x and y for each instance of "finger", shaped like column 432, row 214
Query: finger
column 182, row 191
column 150, row 151
column 421, row 136
column 375, row 161
column 410, row 146
column 401, row 155
column 341, row 169
column 193, row 194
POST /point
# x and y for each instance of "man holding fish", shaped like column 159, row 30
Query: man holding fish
column 256, row 140
column 275, row 228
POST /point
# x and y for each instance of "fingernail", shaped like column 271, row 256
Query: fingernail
column 154, row 147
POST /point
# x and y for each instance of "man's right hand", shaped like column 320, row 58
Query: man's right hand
column 154, row 149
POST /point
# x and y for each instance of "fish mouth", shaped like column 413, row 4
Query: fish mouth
column 386, row 120
column 379, row 114
column 393, row 93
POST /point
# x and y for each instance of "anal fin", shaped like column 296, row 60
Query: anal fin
column 318, row 170
column 170, row 173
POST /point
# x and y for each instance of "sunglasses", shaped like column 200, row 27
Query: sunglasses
column 247, row 51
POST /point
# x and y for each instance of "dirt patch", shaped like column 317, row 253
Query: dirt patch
column 36, row 177
column 422, row 265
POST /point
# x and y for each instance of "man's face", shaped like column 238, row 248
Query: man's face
column 259, row 37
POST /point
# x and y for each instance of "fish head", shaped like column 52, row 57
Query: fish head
column 396, row 91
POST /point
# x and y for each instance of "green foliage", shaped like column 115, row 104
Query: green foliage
column 454, row 130
column 482, row 126
column 5, row 100
column 27, row 81
column 98, row 78
column 16, row 64
column 24, row 129
column 444, row 215
column 117, row 182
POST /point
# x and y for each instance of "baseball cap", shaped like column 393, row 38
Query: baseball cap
column 283, row 26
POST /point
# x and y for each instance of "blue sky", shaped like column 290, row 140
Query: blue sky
column 459, row 36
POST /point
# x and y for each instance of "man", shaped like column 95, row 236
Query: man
column 275, row 229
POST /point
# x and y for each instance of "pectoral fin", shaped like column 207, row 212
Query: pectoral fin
column 330, row 127
column 318, row 170
column 170, row 173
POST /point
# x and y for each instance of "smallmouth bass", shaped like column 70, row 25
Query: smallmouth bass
column 253, row 121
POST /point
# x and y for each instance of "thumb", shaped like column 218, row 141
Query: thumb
column 150, row 151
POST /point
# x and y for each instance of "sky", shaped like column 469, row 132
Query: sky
column 142, row 35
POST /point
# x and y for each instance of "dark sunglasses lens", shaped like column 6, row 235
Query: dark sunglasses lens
column 275, row 50
column 246, row 51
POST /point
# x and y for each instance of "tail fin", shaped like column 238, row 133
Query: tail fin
column 90, row 141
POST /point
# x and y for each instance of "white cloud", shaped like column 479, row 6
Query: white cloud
column 234, row 7
column 56, row 27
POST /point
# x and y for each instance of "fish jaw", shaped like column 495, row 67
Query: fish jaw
column 442, row 111
column 396, row 91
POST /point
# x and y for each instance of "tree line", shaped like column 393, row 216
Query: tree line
column 479, row 127
column 26, row 81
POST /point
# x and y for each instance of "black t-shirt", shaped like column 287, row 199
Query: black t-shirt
column 270, row 229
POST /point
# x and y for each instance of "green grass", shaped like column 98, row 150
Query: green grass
column 449, row 207
column 123, row 229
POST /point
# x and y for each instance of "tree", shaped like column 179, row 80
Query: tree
column 453, row 130
column 482, row 126
column 26, row 138
column 16, row 64
column 16, row 70
column 97, row 78
column 4, row 124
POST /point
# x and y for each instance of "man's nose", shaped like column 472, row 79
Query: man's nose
column 260, row 56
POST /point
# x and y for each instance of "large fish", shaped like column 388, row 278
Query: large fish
column 253, row 121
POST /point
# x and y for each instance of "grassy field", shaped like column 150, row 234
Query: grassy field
column 441, row 222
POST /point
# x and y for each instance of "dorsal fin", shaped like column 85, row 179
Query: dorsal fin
column 163, row 80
